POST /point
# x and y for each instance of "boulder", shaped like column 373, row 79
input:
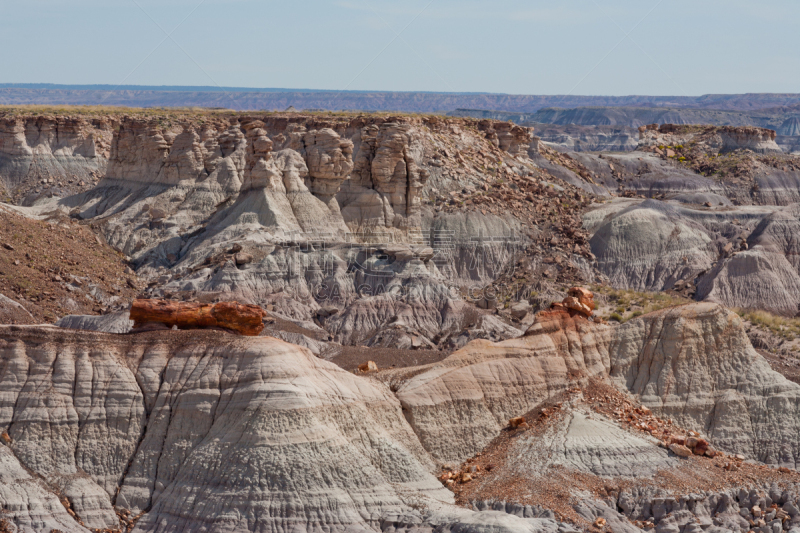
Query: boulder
column 579, row 301
column 518, row 421
column 242, row 258
column 369, row 366
column 680, row 450
column 520, row 310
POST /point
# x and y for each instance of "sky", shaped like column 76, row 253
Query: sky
column 580, row 47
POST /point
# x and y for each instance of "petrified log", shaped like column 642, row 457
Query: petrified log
column 244, row 319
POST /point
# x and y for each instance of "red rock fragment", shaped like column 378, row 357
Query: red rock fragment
column 369, row 366
column 518, row 422
column 578, row 300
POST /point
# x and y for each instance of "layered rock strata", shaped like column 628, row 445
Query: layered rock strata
column 693, row 364
column 203, row 431
column 52, row 155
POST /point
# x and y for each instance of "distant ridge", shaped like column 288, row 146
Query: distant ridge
column 186, row 88
column 246, row 99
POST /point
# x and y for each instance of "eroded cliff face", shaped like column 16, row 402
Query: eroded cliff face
column 192, row 430
column 316, row 177
column 721, row 138
column 459, row 405
column 300, row 163
column 155, row 424
column 693, row 364
column 325, row 210
column 42, row 156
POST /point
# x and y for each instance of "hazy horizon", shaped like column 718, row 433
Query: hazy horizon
column 583, row 47
column 210, row 88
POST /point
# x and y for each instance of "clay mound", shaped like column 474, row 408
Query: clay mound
column 754, row 279
column 693, row 363
column 649, row 246
column 589, row 443
column 457, row 406
column 252, row 426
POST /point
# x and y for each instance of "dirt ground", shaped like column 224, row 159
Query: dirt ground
column 51, row 268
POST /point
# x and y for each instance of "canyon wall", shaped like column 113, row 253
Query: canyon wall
column 179, row 430
column 55, row 154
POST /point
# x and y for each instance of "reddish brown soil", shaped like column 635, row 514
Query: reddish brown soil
column 498, row 480
column 351, row 356
column 787, row 366
column 43, row 252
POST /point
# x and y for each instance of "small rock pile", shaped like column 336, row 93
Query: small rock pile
column 686, row 446
column 127, row 522
column 468, row 472
column 234, row 254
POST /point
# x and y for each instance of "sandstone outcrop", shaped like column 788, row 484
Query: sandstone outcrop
column 759, row 140
column 572, row 138
column 244, row 319
column 387, row 177
column 516, row 140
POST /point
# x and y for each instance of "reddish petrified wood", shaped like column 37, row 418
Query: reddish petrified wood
column 244, row 319
column 578, row 300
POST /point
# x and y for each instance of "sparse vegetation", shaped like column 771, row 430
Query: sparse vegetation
column 784, row 327
column 623, row 304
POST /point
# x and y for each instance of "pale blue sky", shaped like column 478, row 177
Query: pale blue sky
column 675, row 47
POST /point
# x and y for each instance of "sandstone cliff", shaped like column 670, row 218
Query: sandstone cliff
column 51, row 155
